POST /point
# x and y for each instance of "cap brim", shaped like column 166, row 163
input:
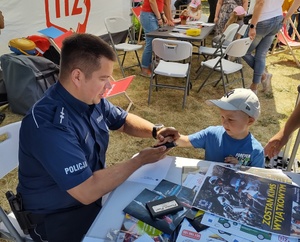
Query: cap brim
column 221, row 104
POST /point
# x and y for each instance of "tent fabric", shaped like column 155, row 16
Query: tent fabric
column 22, row 18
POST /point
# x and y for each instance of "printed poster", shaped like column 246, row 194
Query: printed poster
column 259, row 202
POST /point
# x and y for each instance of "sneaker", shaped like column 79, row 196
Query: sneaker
column 266, row 82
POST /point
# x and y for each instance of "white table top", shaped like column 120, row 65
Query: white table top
column 111, row 215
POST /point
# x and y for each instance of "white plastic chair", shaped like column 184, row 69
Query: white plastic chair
column 9, row 147
column 237, row 48
column 121, row 40
column 230, row 33
column 172, row 58
column 221, row 44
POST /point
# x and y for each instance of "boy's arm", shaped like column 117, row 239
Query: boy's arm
column 183, row 141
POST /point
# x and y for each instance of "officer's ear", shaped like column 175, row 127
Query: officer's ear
column 76, row 77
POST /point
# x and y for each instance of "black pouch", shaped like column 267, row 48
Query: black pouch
column 247, row 18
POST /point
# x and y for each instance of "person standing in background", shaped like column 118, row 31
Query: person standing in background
column 178, row 3
column 285, row 8
column 1, row 20
column 293, row 9
column 223, row 10
column 155, row 13
column 212, row 10
column 265, row 24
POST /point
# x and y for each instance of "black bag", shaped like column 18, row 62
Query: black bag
column 3, row 93
column 247, row 18
column 26, row 79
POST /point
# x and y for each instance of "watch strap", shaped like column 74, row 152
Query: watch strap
column 154, row 132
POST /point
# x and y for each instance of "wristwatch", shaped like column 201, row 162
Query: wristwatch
column 155, row 129
column 252, row 26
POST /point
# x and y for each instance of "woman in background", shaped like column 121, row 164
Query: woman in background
column 223, row 10
column 265, row 23
column 154, row 13
column 1, row 20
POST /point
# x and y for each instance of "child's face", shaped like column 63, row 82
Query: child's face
column 194, row 9
column 236, row 123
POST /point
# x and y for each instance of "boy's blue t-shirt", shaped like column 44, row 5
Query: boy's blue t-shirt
column 218, row 145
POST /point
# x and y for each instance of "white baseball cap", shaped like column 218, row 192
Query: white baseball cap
column 239, row 99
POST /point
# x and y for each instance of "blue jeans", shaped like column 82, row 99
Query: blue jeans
column 265, row 32
column 149, row 23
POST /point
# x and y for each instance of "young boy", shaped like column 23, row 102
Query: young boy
column 232, row 142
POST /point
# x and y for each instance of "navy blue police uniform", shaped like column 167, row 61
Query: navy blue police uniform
column 62, row 142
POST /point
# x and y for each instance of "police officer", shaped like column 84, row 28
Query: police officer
column 63, row 142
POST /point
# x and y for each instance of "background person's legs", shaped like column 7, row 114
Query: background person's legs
column 212, row 10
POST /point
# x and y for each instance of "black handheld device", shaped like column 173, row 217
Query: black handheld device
column 164, row 206
column 167, row 144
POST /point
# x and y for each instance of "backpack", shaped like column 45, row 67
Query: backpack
column 26, row 79
column 3, row 94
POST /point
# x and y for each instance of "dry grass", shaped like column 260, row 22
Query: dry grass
column 166, row 108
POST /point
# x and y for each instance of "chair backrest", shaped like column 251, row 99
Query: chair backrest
column 119, row 86
column 172, row 50
column 243, row 29
column 238, row 48
column 116, row 24
column 231, row 31
column 9, row 147
column 137, row 11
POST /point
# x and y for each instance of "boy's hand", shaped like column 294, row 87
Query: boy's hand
column 231, row 160
column 169, row 132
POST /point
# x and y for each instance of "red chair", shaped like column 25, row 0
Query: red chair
column 120, row 87
column 57, row 42
column 56, row 36
column 137, row 12
column 284, row 38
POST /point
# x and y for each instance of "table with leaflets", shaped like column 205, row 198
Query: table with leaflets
column 171, row 170
column 179, row 32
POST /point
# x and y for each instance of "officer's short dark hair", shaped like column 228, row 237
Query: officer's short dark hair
column 83, row 51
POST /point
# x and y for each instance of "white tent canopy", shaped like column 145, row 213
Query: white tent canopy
column 26, row 17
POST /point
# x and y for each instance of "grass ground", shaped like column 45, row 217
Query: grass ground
column 165, row 108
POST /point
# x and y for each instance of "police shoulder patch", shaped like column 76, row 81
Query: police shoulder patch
column 61, row 116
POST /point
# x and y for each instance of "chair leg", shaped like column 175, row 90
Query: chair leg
column 218, row 81
column 130, row 102
column 243, row 80
column 140, row 34
column 7, row 223
column 150, row 89
column 186, row 91
column 138, row 59
column 156, row 88
column 203, row 83
column 124, row 55
column 121, row 66
column 223, row 81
